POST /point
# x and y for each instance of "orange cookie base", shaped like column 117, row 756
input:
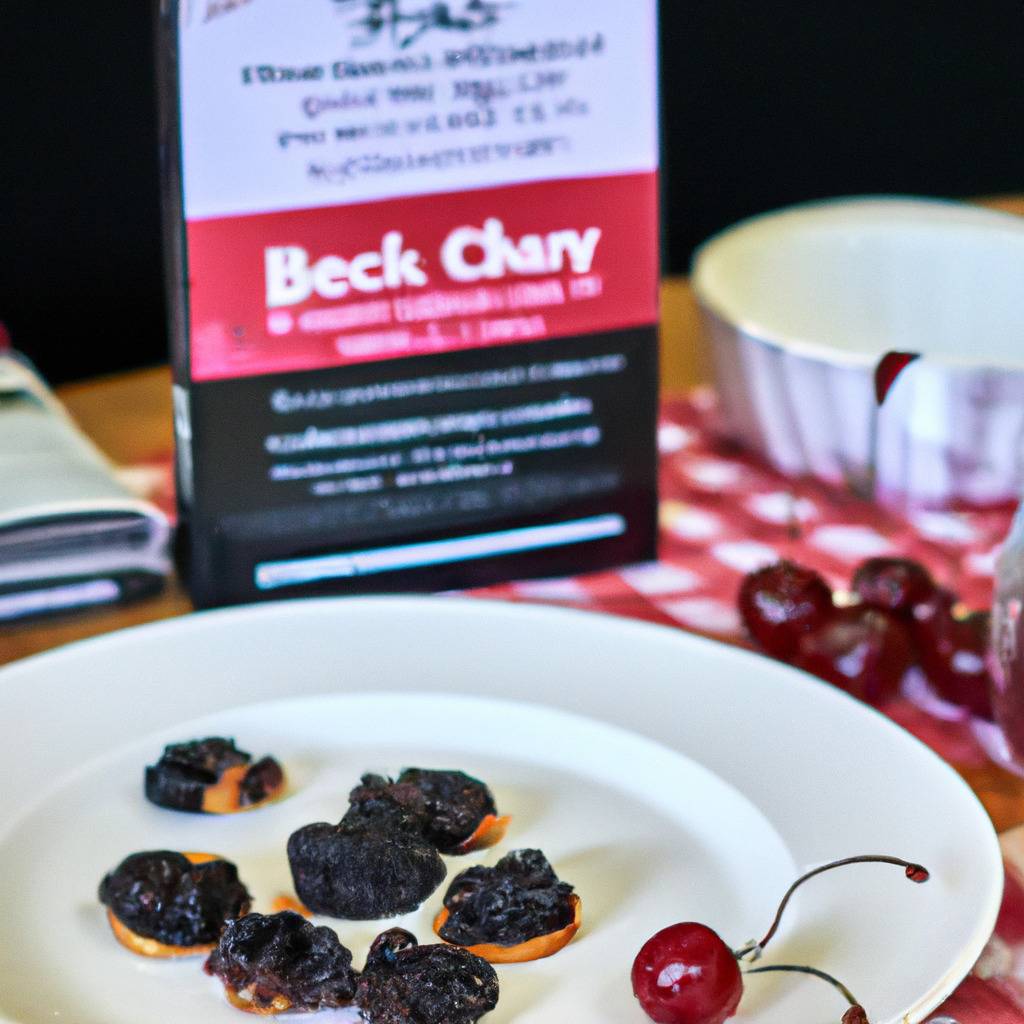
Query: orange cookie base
column 225, row 795
column 488, row 833
column 151, row 947
column 290, row 903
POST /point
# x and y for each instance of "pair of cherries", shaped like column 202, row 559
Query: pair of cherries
column 686, row 974
column 901, row 618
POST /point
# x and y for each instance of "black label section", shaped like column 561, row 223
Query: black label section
column 444, row 471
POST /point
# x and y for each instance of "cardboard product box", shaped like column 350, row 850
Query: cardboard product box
column 413, row 253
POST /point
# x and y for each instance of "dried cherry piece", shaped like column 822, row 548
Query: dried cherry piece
column 453, row 810
column 375, row 804
column 861, row 650
column 405, row 983
column 953, row 650
column 515, row 903
column 277, row 962
column 263, row 781
column 782, row 602
column 213, row 776
column 178, row 905
column 894, row 585
column 361, row 872
column 387, row 946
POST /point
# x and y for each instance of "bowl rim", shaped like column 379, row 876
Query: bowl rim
column 922, row 209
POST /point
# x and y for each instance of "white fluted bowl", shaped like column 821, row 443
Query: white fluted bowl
column 801, row 305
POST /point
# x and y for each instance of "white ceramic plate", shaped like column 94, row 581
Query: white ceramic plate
column 736, row 774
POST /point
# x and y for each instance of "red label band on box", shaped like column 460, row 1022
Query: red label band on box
column 340, row 285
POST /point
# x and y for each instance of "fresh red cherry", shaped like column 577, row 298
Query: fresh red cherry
column 782, row 602
column 925, row 613
column 687, row 975
column 861, row 650
column 952, row 650
column 893, row 584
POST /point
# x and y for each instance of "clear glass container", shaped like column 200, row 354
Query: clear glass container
column 1007, row 654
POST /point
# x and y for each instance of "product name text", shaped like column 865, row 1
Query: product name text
column 469, row 254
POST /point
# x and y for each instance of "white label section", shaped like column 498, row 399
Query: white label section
column 289, row 104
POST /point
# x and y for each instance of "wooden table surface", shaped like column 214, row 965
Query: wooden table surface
column 129, row 416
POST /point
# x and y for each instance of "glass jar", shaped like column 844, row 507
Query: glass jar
column 1007, row 654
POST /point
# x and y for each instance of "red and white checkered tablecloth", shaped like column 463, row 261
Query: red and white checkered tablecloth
column 723, row 513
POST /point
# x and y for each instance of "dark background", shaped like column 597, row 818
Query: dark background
column 764, row 104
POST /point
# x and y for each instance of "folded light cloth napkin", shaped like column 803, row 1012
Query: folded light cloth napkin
column 71, row 535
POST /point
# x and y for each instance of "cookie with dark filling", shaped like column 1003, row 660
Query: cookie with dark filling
column 281, row 962
column 405, row 983
column 363, row 872
column 515, row 911
column 166, row 904
column 212, row 776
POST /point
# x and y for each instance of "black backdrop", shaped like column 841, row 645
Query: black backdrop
column 764, row 104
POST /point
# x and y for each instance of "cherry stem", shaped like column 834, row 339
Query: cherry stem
column 915, row 872
column 798, row 969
